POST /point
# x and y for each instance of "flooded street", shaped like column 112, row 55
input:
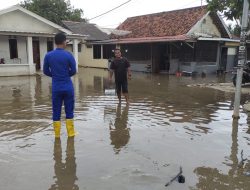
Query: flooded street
column 137, row 147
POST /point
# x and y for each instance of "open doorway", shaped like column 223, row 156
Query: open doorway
column 13, row 48
column 164, row 58
column 36, row 54
column 223, row 59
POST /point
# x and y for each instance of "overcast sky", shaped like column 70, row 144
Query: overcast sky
column 93, row 8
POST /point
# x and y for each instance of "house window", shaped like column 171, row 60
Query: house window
column 13, row 48
column 136, row 52
column 248, row 52
column 97, row 51
column 108, row 51
column 206, row 51
column 50, row 46
column 175, row 53
column 79, row 47
column 187, row 53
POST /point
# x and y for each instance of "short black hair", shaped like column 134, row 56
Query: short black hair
column 60, row 38
column 117, row 49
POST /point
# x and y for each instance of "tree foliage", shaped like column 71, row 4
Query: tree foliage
column 231, row 9
column 234, row 29
column 54, row 10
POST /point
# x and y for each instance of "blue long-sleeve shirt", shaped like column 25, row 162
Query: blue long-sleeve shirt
column 60, row 65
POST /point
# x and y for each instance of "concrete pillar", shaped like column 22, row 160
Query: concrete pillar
column 43, row 50
column 101, row 51
column 75, row 52
column 30, row 55
column 218, row 59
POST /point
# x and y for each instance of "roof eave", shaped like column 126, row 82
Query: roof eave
column 40, row 34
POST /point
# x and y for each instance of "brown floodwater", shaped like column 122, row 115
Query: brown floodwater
column 137, row 147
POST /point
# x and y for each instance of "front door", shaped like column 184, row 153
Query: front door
column 164, row 57
column 223, row 59
column 36, row 54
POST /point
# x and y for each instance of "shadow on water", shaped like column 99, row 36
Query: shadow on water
column 65, row 171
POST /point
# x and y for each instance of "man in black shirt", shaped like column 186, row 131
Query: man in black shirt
column 121, row 67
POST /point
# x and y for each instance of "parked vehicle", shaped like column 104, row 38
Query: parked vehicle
column 245, row 76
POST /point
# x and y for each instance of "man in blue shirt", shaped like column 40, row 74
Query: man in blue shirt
column 60, row 65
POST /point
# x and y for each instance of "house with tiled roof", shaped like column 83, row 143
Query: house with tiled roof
column 188, row 40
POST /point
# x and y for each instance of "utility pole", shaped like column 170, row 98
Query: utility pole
column 241, row 59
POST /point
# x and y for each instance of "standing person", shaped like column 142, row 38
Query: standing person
column 60, row 65
column 121, row 67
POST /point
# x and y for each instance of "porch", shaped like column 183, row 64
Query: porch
column 23, row 53
column 199, row 56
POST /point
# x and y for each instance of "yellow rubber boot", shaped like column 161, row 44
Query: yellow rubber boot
column 70, row 127
column 57, row 128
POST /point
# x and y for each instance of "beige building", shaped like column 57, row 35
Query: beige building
column 91, row 53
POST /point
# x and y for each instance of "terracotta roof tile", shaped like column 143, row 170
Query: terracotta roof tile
column 172, row 23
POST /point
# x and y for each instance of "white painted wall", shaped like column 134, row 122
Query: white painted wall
column 22, row 49
column 205, row 26
column 43, row 50
column 4, row 47
column 19, row 21
column 16, row 70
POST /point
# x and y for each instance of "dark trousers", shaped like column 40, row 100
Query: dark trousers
column 60, row 97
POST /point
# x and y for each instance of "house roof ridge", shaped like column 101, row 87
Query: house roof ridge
column 90, row 29
column 77, row 22
column 175, row 10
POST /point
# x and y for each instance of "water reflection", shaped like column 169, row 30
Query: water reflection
column 38, row 87
column 16, row 100
column 212, row 178
column 65, row 172
column 119, row 132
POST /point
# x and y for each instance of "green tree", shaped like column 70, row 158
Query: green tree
column 234, row 29
column 231, row 9
column 54, row 10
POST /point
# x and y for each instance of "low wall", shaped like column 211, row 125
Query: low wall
column 16, row 69
column 140, row 66
column 95, row 63
column 199, row 67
